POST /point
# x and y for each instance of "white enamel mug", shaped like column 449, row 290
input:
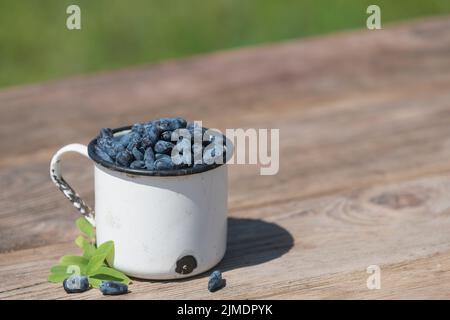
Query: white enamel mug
column 165, row 224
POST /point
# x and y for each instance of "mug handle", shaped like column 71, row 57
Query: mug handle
column 66, row 189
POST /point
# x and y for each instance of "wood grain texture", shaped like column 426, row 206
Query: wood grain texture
column 364, row 174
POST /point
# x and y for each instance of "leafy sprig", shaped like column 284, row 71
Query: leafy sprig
column 95, row 263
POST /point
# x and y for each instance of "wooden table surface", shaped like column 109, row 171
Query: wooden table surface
column 364, row 178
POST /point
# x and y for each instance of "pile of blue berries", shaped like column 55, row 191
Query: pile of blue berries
column 151, row 145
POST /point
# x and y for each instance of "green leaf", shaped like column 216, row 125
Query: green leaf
column 95, row 263
column 92, row 263
column 105, row 271
column 80, row 241
column 73, row 260
column 58, row 269
column 95, row 283
column 85, row 227
column 107, row 248
column 56, row 277
column 86, row 246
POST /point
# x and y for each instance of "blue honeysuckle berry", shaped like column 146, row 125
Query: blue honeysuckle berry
column 177, row 123
column 149, row 155
column 150, row 136
column 150, row 165
column 106, row 133
column 162, row 124
column 170, row 124
column 112, row 148
column 149, row 159
column 215, row 281
column 135, row 142
column 166, row 136
column 137, row 154
column 138, row 128
column 103, row 155
column 109, row 149
column 163, row 147
column 164, row 163
column 182, row 123
column 130, row 140
column 124, row 158
column 152, row 131
column 104, row 142
column 113, row 288
column 137, row 164
column 126, row 138
column 146, row 142
column 76, row 284
column 161, row 155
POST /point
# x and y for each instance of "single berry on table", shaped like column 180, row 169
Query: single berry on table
column 215, row 281
column 113, row 288
column 76, row 284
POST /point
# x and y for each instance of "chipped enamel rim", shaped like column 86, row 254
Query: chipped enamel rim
column 160, row 173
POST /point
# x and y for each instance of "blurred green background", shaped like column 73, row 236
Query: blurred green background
column 35, row 44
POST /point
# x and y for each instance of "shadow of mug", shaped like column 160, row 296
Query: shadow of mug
column 249, row 242
column 252, row 242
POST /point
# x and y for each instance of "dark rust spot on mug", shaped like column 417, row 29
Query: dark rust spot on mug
column 186, row 265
